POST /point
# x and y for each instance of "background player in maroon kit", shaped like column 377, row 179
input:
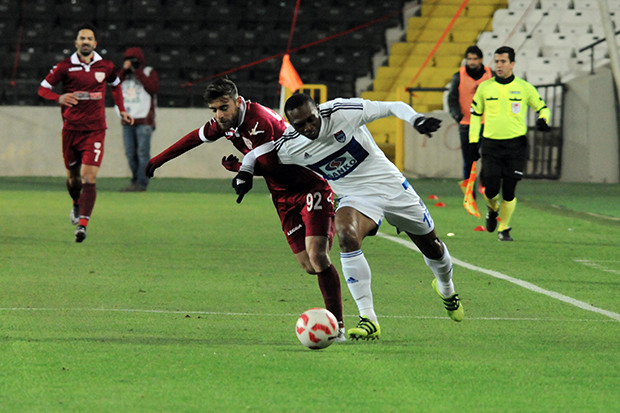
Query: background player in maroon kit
column 304, row 201
column 84, row 76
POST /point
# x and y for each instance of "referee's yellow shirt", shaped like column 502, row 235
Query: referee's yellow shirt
column 505, row 108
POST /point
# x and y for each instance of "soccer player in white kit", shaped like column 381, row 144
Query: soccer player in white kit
column 332, row 139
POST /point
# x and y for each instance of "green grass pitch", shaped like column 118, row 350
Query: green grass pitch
column 180, row 300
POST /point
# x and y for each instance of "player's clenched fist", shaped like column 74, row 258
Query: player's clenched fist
column 426, row 125
column 231, row 163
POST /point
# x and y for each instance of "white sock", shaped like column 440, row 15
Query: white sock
column 442, row 268
column 356, row 272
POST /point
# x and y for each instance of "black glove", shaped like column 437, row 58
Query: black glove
column 542, row 126
column 426, row 125
column 242, row 184
column 474, row 151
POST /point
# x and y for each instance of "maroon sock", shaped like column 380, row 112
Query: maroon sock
column 75, row 190
column 329, row 283
column 87, row 202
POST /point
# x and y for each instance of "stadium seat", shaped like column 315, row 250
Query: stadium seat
column 9, row 9
column 173, row 95
column 72, row 13
column 589, row 4
column 109, row 11
column 522, row 4
column 565, row 52
column 505, row 21
column 168, row 59
column 38, row 10
column 143, row 36
column 186, row 11
column 555, row 5
column 543, row 78
column 8, row 33
column 173, row 37
column 23, row 92
column 147, row 11
column 528, row 53
column 36, row 32
column 29, row 66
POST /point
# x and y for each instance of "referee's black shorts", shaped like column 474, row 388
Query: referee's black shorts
column 504, row 158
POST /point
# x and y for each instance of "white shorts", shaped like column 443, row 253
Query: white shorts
column 405, row 210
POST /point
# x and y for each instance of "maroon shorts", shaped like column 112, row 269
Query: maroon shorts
column 82, row 147
column 306, row 214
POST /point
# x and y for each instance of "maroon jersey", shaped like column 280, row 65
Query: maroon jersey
column 88, row 82
column 260, row 125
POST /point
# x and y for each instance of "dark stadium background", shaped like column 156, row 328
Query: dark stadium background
column 190, row 41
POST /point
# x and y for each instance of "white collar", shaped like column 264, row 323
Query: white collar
column 243, row 107
column 76, row 60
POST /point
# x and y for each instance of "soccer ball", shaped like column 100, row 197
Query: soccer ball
column 317, row 328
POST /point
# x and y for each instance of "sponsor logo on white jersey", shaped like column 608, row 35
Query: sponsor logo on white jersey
column 341, row 163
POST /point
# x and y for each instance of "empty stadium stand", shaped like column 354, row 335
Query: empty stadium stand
column 547, row 35
column 190, row 41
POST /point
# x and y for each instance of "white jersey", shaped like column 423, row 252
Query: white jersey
column 345, row 153
column 137, row 99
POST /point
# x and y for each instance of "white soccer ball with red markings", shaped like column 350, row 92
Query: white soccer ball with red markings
column 317, row 328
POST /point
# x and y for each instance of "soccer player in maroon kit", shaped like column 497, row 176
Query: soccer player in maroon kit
column 304, row 200
column 84, row 76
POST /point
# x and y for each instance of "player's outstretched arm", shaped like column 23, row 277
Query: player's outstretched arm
column 189, row 141
column 424, row 125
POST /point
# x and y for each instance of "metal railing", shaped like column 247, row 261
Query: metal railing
column 591, row 47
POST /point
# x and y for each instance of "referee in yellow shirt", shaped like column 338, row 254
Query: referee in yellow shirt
column 503, row 100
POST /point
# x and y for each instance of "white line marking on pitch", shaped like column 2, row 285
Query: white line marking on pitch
column 596, row 265
column 233, row 314
column 520, row 283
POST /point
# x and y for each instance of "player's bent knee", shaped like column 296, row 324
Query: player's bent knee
column 429, row 245
column 348, row 239
column 348, row 244
column 320, row 262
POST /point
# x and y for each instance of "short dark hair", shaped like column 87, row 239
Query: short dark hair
column 86, row 26
column 220, row 87
column 473, row 50
column 507, row 49
column 297, row 100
